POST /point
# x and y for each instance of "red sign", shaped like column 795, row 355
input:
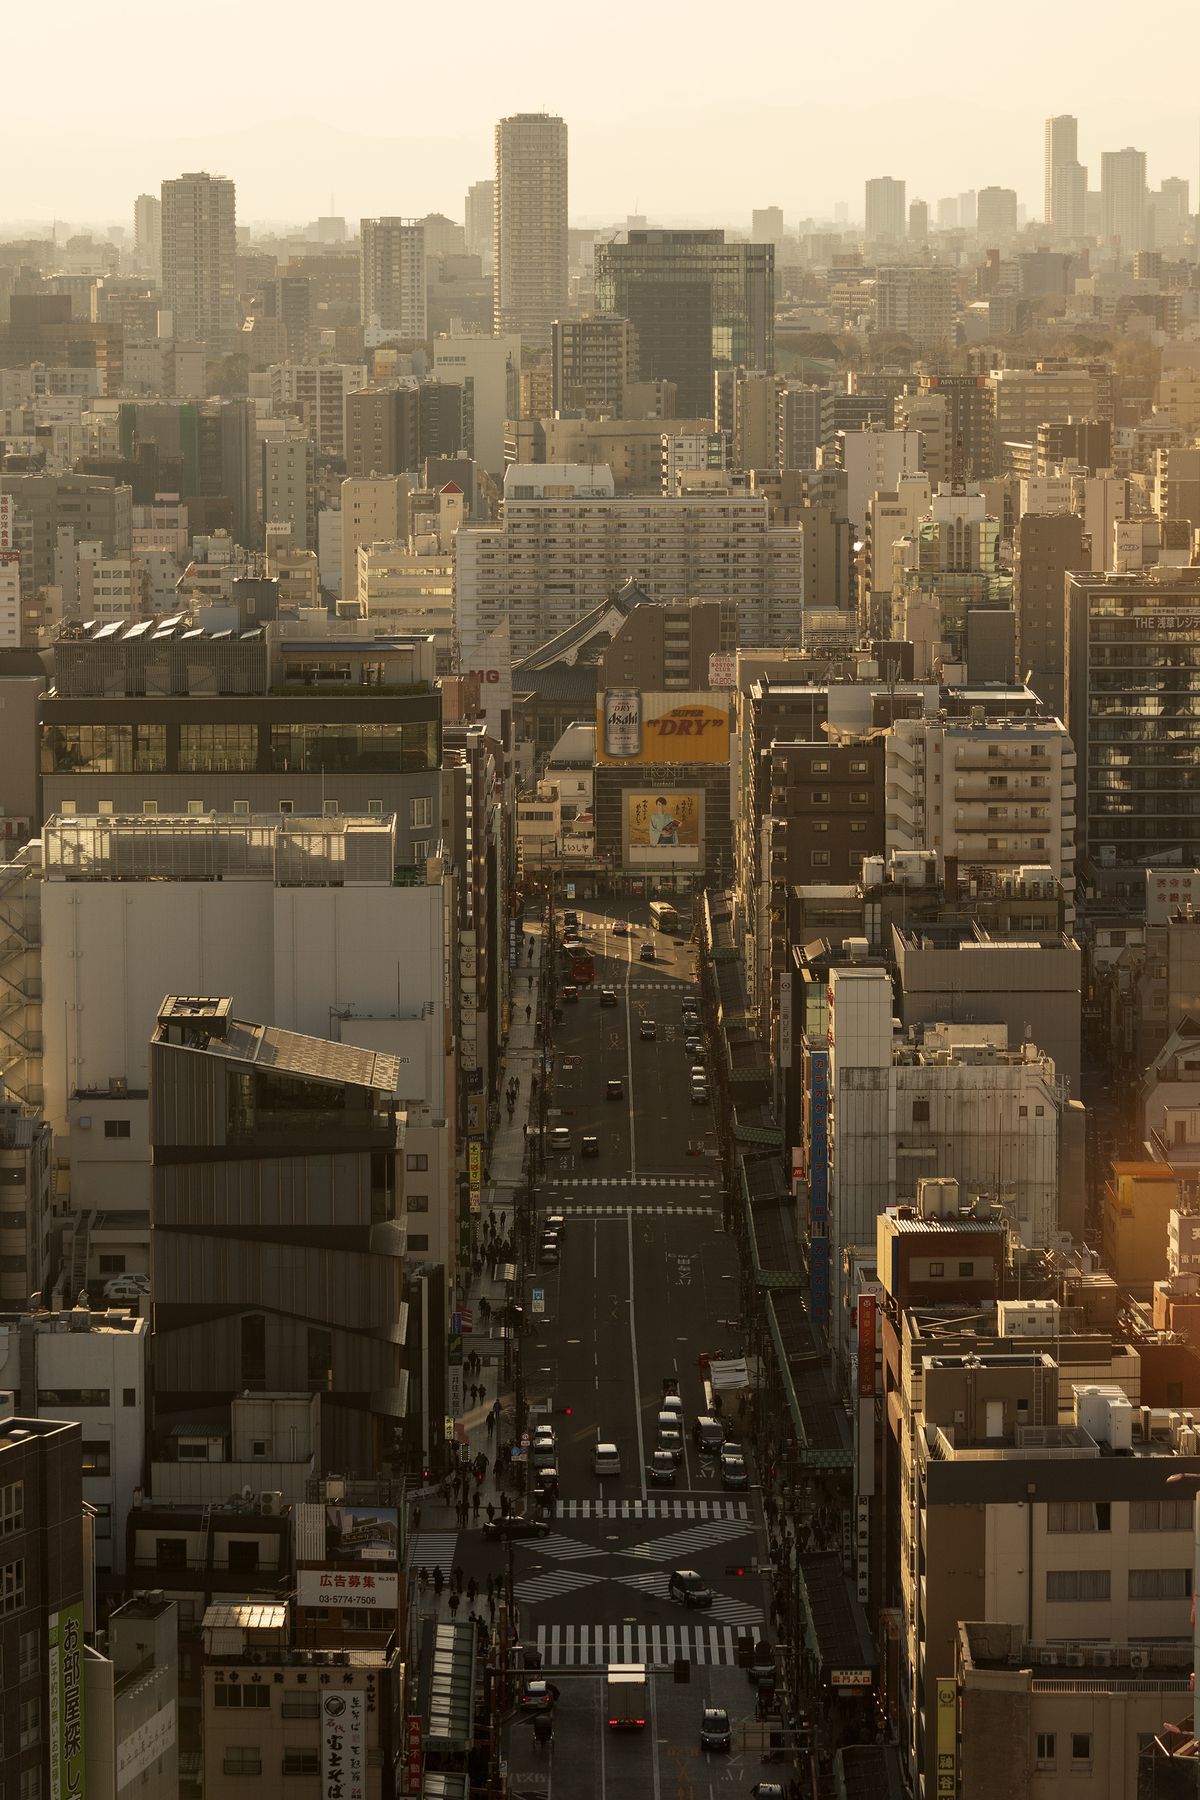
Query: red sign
column 866, row 1346
column 414, row 1756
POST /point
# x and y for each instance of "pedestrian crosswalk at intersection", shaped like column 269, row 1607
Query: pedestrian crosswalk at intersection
column 592, row 1646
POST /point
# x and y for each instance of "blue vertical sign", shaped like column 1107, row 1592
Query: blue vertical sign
column 818, row 1184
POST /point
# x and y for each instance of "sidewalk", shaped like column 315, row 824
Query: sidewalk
column 433, row 1542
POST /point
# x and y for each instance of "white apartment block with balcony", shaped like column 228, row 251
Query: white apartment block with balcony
column 991, row 794
column 318, row 392
column 566, row 543
column 409, row 594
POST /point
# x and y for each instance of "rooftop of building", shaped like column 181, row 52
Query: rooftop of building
column 293, row 849
column 996, row 1646
column 147, row 1604
column 16, row 1433
column 118, row 1321
column 205, row 1023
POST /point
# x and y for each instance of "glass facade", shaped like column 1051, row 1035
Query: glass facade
column 698, row 304
column 1143, row 728
column 218, row 748
column 318, row 749
column 104, row 749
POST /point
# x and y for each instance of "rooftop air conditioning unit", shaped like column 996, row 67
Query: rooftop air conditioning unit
column 1139, row 1659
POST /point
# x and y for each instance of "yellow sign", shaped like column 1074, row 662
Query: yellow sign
column 947, row 1738
column 671, row 729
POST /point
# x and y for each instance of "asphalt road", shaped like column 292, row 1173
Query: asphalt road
column 645, row 1279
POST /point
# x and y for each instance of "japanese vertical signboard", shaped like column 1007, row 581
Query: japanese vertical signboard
column 343, row 1746
column 947, row 1740
column 65, row 1644
column 818, row 1183
column 866, row 1346
column 414, row 1756
column 475, row 1167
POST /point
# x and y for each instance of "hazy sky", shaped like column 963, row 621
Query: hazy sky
column 700, row 111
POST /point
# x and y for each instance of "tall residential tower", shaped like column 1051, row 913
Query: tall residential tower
column 530, row 275
column 199, row 252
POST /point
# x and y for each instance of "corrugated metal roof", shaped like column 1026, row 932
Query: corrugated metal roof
column 245, row 1615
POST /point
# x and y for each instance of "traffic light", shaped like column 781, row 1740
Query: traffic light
column 736, row 1569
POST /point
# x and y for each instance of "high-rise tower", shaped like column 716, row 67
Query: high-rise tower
column 530, row 275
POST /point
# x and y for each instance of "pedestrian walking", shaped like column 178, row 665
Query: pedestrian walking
column 473, row 1391
column 439, row 1580
column 453, row 1602
column 491, row 1513
column 492, row 1609
column 528, row 1014
column 416, row 1519
column 491, row 1423
column 505, row 1508
column 472, row 1589
column 483, row 1396
column 458, row 1576
column 422, row 1578
column 475, row 1507
column 485, row 1308
column 503, row 1220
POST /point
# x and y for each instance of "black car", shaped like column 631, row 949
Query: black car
column 646, row 953
column 648, row 1030
column 715, row 1730
column 589, row 1145
column 548, row 1253
column 570, row 993
column 608, row 996
column 614, row 1089
column 689, row 1588
column 661, row 1468
column 516, row 1526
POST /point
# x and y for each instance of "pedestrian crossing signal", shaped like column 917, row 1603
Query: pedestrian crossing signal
column 735, row 1569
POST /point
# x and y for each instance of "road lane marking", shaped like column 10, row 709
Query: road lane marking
column 637, row 1384
column 629, row 1063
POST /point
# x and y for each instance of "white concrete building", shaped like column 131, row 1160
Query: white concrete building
column 317, row 391
column 990, row 792
column 298, row 919
column 374, row 509
column 10, row 599
column 89, row 1366
column 874, row 461
column 398, row 591
column 566, row 542
column 953, row 1100
column 392, row 286
column 493, row 367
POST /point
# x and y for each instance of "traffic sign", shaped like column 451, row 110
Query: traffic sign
column 539, row 1300
column 524, row 1440
column 455, row 1324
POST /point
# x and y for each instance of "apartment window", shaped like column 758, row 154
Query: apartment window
column 1078, row 1515
column 819, row 767
column 128, row 1396
column 966, row 1270
column 74, row 1397
column 112, row 1265
column 422, row 849
column 1044, row 1749
column 1022, row 1112
column 286, row 806
column 920, row 1112
column 31, row 1721
column 97, row 1459
column 819, row 825
column 116, row 1128
column 195, row 808
column 1039, row 1112
column 1078, row 1584
column 857, row 826
column 1081, row 1747
column 320, row 1360
column 416, row 1160
column 300, row 1706
column 12, row 1507
column 819, row 859
column 301, row 1762
column 242, row 1556
column 170, row 1553
column 29, row 1655
column 820, row 796
column 860, row 768
column 1160, row 1515
column 418, row 1240
column 11, row 1265
column 150, row 808
column 420, row 812
column 29, row 1786
column 249, row 1697
column 242, row 1759
column 859, row 797
column 12, row 1587
column 416, row 1203
column 937, row 1270
column 374, row 806
column 329, row 809
column 241, row 809
column 1160, row 1584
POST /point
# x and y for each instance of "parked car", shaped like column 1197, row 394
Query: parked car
column 548, row 1253
column 734, row 1473
column 648, row 1030
column 515, row 1526
column 699, row 1093
column 608, row 996
column 553, row 1225
column 692, row 1046
column 589, row 1144
column 689, row 1588
column 123, row 1289
column 560, row 1139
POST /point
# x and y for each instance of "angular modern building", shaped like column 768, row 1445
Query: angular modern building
column 697, row 304
column 276, row 1231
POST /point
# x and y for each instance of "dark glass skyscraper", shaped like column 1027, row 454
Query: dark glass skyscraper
column 698, row 304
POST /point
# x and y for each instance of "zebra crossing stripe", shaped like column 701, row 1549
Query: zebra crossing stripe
column 601, row 1210
column 583, row 1646
column 552, row 1584
column 653, row 1509
column 625, row 1181
column 433, row 1550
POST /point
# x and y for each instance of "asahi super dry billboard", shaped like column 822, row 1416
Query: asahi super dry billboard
column 665, row 729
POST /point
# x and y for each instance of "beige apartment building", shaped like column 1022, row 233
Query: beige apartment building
column 631, row 448
column 595, row 359
column 199, row 259
column 530, row 277
column 408, row 594
column 374, row 511
column 1049, row 393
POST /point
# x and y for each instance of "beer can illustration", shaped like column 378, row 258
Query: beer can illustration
column 623, row 722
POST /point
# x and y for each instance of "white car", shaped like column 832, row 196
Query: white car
column 606, row 1460
column 124, row 1288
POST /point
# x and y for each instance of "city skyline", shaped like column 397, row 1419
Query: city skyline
column 300, row 143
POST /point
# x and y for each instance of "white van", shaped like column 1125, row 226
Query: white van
column 606, row 1460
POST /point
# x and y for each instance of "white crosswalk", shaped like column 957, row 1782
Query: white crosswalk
column 614, row 1210
column 589, row 1646
column 565, row 1549
column 728, row 1610
column 679, row 1545
column 653, row 1509
column 552, row 1583
column 635, row 1181
column 433, row 1550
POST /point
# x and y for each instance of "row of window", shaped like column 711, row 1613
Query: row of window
column 246, row 1759
column 1096, row 1515
column 1047, row 1749
column 1096, row 1584
column 129, row 749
